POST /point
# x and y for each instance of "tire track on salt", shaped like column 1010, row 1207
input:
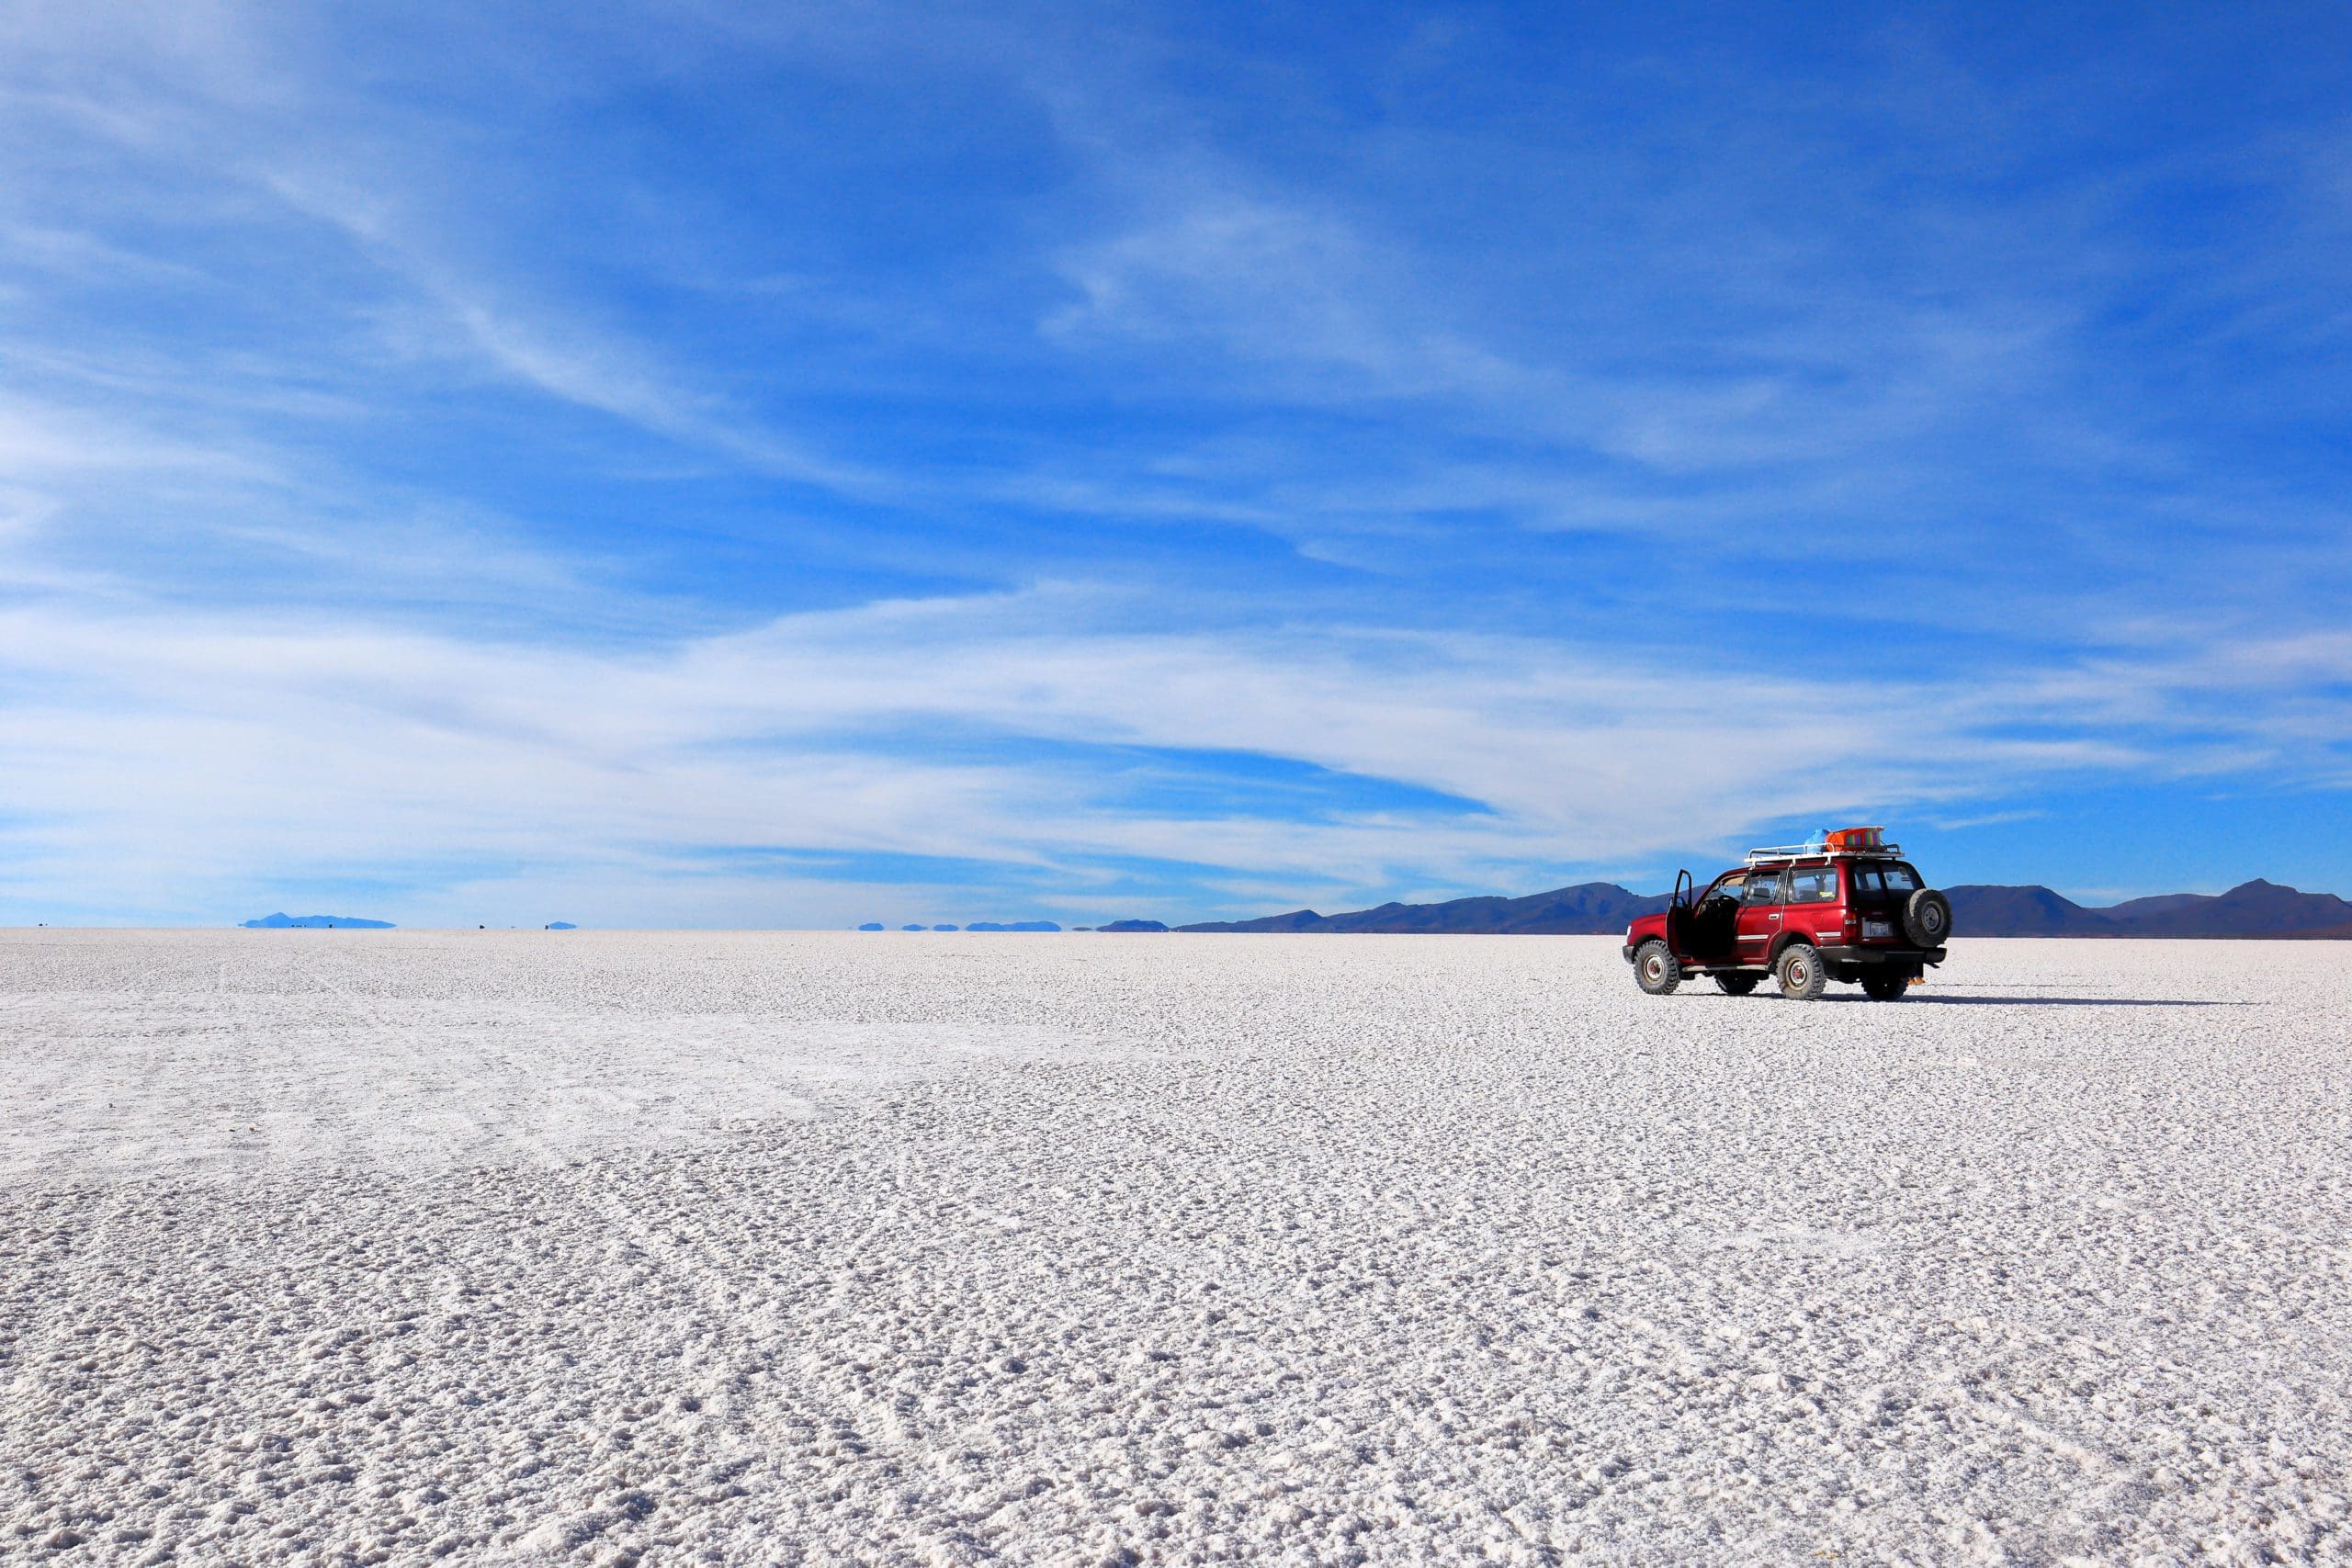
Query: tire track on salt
column 735, row 1385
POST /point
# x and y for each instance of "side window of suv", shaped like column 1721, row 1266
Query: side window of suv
column 1814, row 887
column 1765, row 889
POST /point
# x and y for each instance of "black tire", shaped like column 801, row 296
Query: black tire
column 1800, row 971
column 1926, row 919
column 1739, row 985
column 1656, row 970
column 1885, row 987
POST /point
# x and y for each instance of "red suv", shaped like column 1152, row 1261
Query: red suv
column 1851, row 908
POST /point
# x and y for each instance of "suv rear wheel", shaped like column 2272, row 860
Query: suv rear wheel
column 1654, row 969
column 1739, row 985
column 1885, row 987
column 1800, row 972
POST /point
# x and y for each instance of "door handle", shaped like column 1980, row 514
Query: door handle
column 1772, row 917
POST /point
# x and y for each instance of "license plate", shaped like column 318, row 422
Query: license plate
column 1877, row 928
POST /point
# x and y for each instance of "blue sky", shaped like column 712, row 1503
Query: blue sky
column 706, row 465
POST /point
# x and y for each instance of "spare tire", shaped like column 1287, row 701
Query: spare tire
column 1926, row 919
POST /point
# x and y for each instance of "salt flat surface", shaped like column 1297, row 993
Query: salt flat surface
column 334, row 1247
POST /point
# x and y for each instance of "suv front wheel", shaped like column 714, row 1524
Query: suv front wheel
column 1654, row 969
column 1800, row 972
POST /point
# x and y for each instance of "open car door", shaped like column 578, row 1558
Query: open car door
column 1678, row 916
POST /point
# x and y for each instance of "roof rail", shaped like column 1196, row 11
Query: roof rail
column 1818, row 852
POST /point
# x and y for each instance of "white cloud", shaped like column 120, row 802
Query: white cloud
column 162, row 750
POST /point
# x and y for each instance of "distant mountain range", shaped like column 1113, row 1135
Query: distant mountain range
column 1586, row 909
column 2251, row 908
column 1599, row 909
column 314, row 922
column 979, row 926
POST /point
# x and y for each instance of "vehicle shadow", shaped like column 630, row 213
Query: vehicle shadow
column 2052, row 1001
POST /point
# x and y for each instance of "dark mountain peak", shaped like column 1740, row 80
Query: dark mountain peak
column 2032, row 910
column 2260, row 908
column 1296, row 920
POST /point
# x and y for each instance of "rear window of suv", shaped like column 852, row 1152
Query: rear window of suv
column 1895, row 879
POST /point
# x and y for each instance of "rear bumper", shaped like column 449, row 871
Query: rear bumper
column 1879, row 953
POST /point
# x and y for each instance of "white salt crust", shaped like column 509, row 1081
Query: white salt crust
column 333, row 1246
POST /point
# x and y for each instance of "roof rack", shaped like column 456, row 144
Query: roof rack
column 1821, row 852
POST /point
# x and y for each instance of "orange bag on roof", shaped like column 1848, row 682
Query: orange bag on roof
column 1858, row 838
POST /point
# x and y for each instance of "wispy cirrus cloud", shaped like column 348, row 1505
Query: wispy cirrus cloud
column 1023, row 731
